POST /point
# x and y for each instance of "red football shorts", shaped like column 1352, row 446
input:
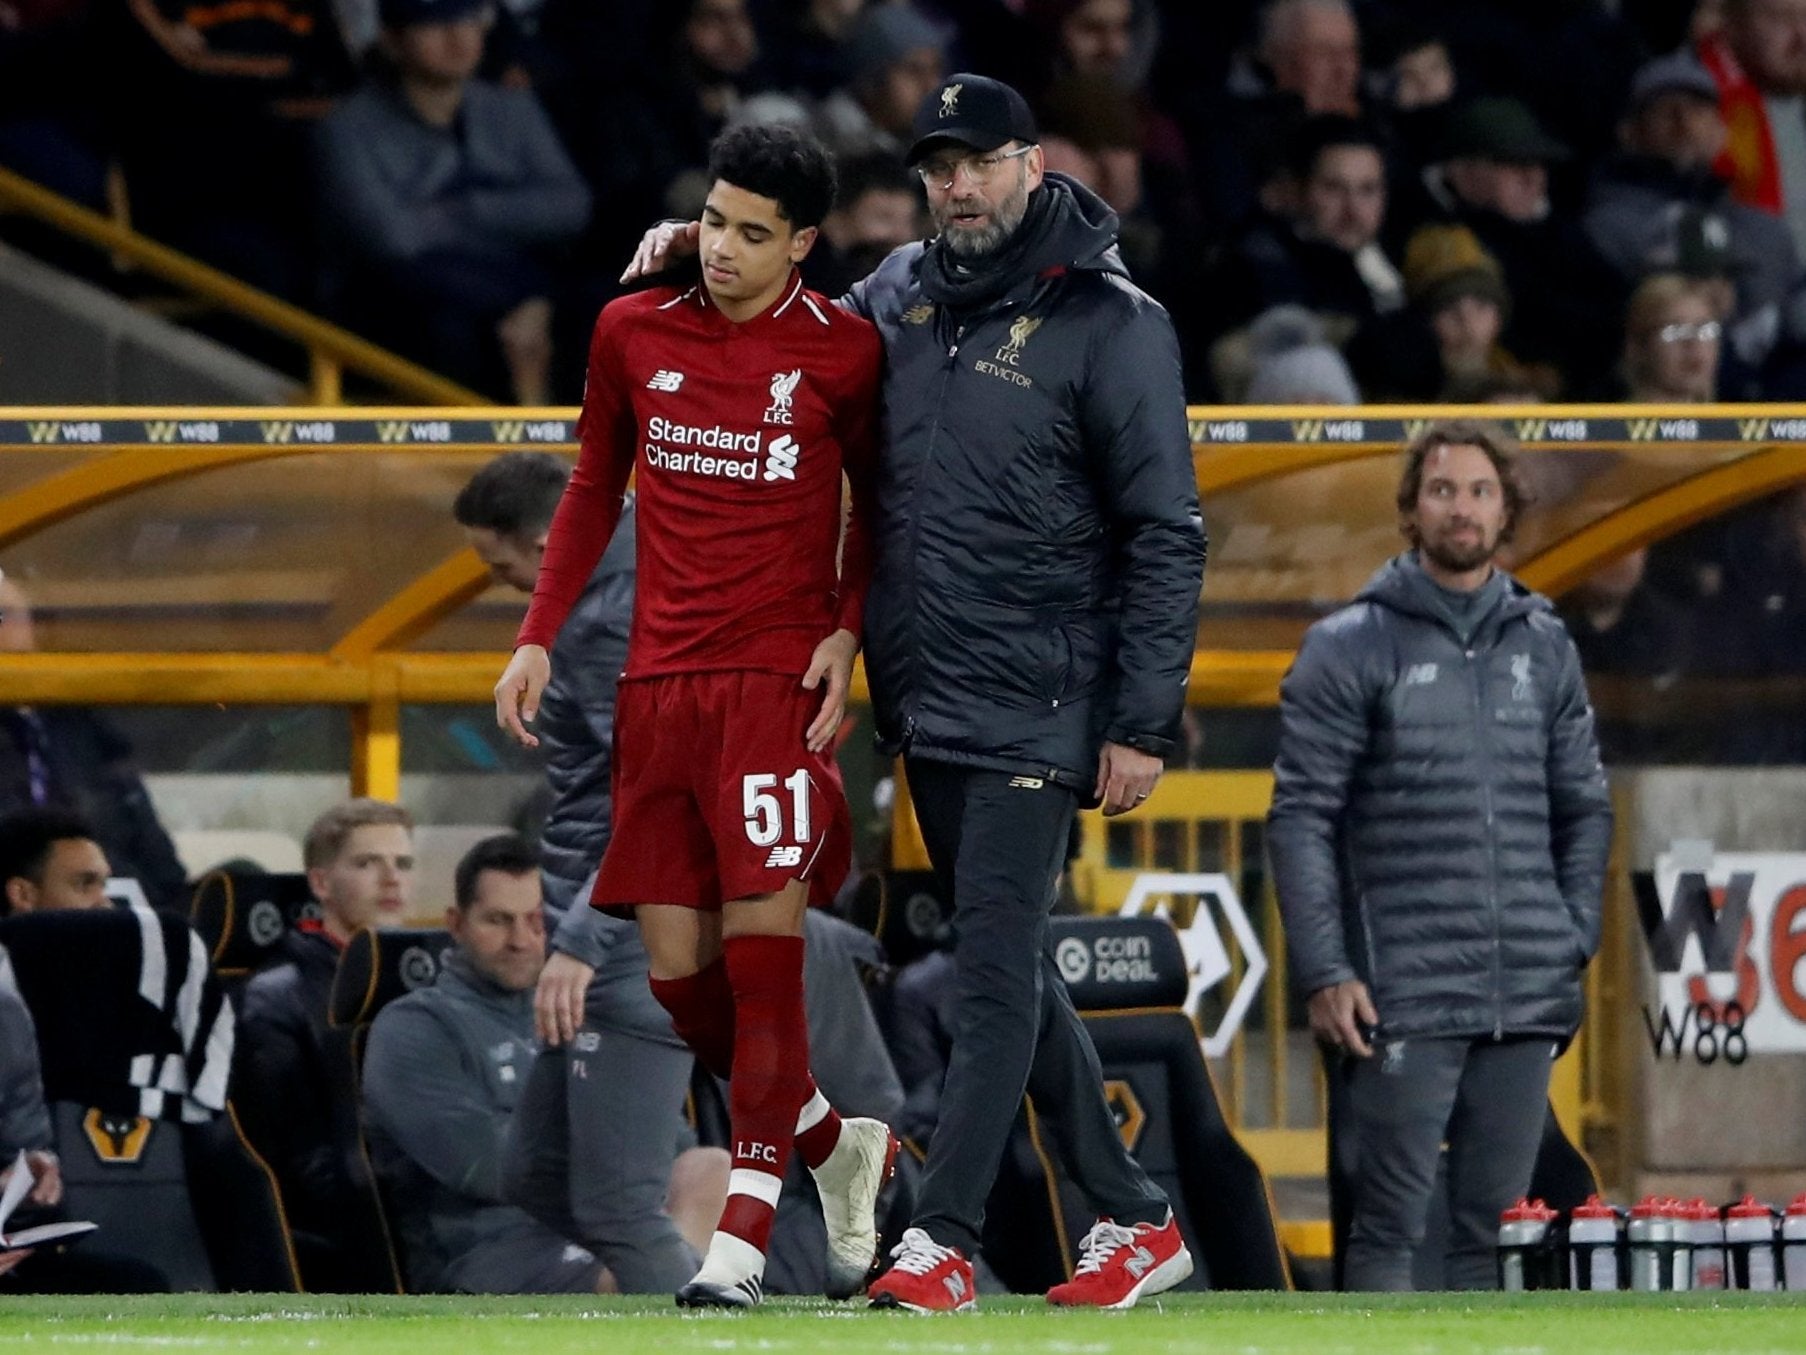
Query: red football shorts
column 717, row 798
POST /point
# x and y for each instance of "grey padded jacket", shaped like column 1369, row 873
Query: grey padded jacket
column 1440, row 819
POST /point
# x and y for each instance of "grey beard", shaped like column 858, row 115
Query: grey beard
column 970, row 245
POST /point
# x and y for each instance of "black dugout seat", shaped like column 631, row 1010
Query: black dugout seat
column 172, row 1183
column 377, row 967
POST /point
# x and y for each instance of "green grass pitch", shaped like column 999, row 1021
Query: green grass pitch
column 1229, row 1324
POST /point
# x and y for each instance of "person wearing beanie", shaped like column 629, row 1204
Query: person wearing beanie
column 1492, row 177
column 1451, row 332
column 892, row 58
column 1294, row 364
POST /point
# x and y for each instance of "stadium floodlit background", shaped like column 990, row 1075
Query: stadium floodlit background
column 235, row 417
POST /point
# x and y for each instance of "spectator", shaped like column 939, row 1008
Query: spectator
column 1660, row 192
column 1101, row 58
column 1420, row 85
column 1452, row 331
column 447, row 199
column 1758, row 62
column 643, row 140
column 807, row 42
column 1624, row 628
column 49, row 862
column 894, row 60
column 1493, row 177
column 1672, row 342
column 76, row 758
column 1306, row 62
column 1092, row 131
column 219, row 105
column 1312, row 51
column 1444, row 984
column 1294, row 364
column 360, row 868
column 1328, row 258
column 52, row 129
column 442, row 1079
column 878, row 207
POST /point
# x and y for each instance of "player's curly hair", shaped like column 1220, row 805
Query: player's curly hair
column 783, row 163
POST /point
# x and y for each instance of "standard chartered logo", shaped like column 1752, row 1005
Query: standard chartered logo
column 719, row 453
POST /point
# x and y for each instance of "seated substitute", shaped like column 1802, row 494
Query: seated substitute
column 443, row 1076
column 360, row 868
column 49, row 861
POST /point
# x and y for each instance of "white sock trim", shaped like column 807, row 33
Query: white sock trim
column 762, row 1186
column 813, row 1113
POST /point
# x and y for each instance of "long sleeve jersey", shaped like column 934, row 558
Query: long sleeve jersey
column 737, row 434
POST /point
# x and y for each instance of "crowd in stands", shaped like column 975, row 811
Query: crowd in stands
column 1539, row 193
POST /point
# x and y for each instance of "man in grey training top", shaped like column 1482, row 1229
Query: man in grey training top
column 1439, row 833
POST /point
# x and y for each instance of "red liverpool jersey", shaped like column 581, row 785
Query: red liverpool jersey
column 738, row 434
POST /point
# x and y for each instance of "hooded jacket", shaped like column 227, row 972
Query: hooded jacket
column 443, row 1072
column 1440, row 819
column 1039, row 550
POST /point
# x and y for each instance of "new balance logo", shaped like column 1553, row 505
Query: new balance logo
column 1420, row 675
column 1140, row 1263
column 956, row 1286
column 786, row 857
column 665, row 380
column 1026, row 783
column 780, row 461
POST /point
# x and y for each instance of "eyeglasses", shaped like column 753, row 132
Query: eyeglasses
column 1706, row 332
column 980, row 169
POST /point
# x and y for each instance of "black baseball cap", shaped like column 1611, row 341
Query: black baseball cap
column 972, row 110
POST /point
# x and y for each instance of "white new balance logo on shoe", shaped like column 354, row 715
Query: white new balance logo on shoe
column 1140, row 1263
column 665, row 380
column 956, row 1286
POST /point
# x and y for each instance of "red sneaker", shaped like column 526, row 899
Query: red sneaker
column 925, row 1277
column 1119, row 1265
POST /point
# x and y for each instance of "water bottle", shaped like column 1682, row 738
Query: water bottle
column 1793, row 1244
column 1705, row 1233
column 1594, row 1246
column 1526, row 1236
column 1656, row 1246
column 1749, row 1234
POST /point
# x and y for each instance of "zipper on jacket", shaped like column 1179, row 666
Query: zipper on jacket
column 915, row 536
column 1492, row 849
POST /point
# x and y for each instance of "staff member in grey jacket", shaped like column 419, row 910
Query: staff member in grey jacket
column 596, row 1136
column 1439, row 833
column 444, row 1075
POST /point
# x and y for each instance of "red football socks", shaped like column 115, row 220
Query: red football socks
column 770, row 1077
column 702, row 1014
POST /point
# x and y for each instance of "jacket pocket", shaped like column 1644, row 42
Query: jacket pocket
column 1077, row 648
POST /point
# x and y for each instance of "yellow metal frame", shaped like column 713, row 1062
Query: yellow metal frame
column 369, row 668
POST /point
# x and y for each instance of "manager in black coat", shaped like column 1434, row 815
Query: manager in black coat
column 1439, row 833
